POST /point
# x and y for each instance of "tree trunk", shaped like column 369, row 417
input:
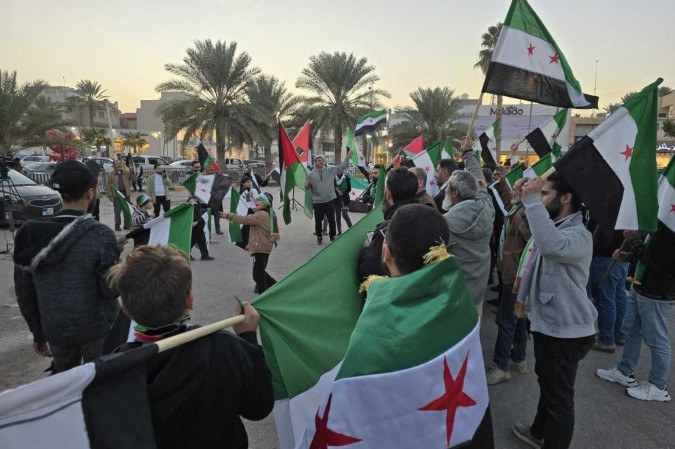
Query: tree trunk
column 337, row 139
column 498, row 137
column 220, row 140
column 91, row 116
column 268, row 156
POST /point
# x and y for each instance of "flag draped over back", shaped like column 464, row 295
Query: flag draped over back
column 98, row 405
column 293, row 174
column 528, row 64
column 173, row 228
column 613, row 168
column 551, row 136
column 369, row 122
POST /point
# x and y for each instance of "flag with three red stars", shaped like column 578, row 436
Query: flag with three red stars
column 613, row 168
column 412, row 374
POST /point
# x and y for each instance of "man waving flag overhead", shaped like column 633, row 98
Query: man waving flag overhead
column 528, row 64
column 613, row 168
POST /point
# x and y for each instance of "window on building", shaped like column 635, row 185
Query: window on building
column 100, row 114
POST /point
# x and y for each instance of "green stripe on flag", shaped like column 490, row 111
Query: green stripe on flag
column 515, row 173
column 190, row 183
column 372, row 115
column 180, row 234
column 125, row 206
column 235, row 228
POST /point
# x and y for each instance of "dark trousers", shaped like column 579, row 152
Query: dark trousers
column 117, row 209
column 556, row 363
column 70, row 356
column 215, row 216
column 96, row 211
column 138, row 185
column 341, row 209
column 162, row 202
column 324, row 210
column 511, row 332
column 262, row 279
column 199, row 239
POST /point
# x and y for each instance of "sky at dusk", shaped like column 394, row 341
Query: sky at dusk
column 424, row 43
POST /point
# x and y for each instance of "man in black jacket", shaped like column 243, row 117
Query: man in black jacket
column 199, row 391
column 401, row 189
column 60, row 273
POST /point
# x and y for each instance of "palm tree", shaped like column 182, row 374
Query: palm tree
column 434, row 116
column 271, row 102
column 92, row 94
column 135, row 140
column 488, row 44
column 611, row 108
column 215, row 79
column 665, row 90
column 627, row 97
column 340, row 90
column 96, row 137
column 25, row 116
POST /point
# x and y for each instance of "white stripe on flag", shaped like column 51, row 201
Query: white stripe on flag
column 497, row 198
column 160, row 229
column 512, row 50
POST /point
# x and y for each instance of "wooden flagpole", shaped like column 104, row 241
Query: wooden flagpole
column 186, row 337
column 473, row 119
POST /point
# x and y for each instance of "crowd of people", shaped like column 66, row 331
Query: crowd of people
column 557, row 273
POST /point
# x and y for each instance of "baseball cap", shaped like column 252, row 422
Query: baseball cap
column 72, row 178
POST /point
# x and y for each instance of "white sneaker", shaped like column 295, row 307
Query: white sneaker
column 495, row 375
column 646, row 391
column 614, row 375
column 518, row 367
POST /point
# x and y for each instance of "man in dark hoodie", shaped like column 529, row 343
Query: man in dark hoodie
column 60, row 273
column 199, row 391
column 401, row 189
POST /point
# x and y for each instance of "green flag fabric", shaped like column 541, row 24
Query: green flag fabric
column 173, row 228
column 126, row 207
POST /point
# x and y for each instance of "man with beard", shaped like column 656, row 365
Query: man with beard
column 552, row 286
column 369, row 194
column 400, row 189
column 60, row 273
column 444, row 169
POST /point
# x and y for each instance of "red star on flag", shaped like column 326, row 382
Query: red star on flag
column 530, row 49
column 361, row 158
column 324, row 437
column 628, row 152
column 427, row 169
column 431, row 183
column 672, row 208
column 453, row 398
column 554, row 58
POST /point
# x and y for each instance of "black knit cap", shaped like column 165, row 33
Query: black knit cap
column 72, row 178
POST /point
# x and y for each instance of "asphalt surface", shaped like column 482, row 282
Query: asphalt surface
column 605, row 416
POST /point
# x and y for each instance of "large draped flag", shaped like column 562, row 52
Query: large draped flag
column 528, row 64
column 613, row 168
column 428, row 160
column 293, row 174
column 205, row 158
column 415, row 147
column 303, row 143
column 98, row 405
column 126, row 207
column 369, row 122
column 550, row 136
column 487, row 145
column 173, row 228
column 357, row 155
column 667, row 196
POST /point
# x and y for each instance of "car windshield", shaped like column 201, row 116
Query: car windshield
column 18, row 180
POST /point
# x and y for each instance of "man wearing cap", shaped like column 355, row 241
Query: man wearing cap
column 60, row 274
column 321, row 180
column 120, row 178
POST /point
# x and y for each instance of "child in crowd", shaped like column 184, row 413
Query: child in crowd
column 139, row 217
column 263, row 235
column 199, row 391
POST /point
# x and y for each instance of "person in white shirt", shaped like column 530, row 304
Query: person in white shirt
column 158, row 185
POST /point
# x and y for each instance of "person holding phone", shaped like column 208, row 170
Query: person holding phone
column 158, row 186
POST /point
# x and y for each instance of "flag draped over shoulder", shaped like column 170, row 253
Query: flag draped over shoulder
column 126, row 206
column 428, row 160
column 357, row 155
column 98, row 405
column 173, row 228
column 205, row 158
column 293, row 174
column 369, row 122
column 613, row 168
column 528, row 64
column 551, row 136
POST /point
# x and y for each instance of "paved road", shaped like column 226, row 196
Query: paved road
column 606, row 416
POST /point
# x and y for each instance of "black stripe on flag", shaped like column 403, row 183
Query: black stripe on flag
column 485, row 152
column 539, row 142
column 591, row 177
column 483, row 438
column 367, row 129
column 513, row 82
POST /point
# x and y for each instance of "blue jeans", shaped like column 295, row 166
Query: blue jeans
column 609, row 298
column 511, row 333
column 647, row 320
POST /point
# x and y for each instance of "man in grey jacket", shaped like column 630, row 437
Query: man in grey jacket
column 470, row 216
column 321, row 181
column 553, row 285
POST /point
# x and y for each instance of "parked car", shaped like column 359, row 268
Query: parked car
column 35, row 201
column 105, row 163
column 148, row 162
column 40, row 167
column 36, row 158
column 233, row 163
column 181, row 164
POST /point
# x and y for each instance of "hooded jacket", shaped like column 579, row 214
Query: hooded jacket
column 198, row 391
column 323, row 182
column 470, row 224
column 60, row 280
column 260, row 237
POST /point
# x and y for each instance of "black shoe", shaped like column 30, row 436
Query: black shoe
column 318, row 241
column 332, row 238
column 208, row 258
column 524, row 433
column 256, row 289
column 118, row 229
column 493, row 302
column 325, row 233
